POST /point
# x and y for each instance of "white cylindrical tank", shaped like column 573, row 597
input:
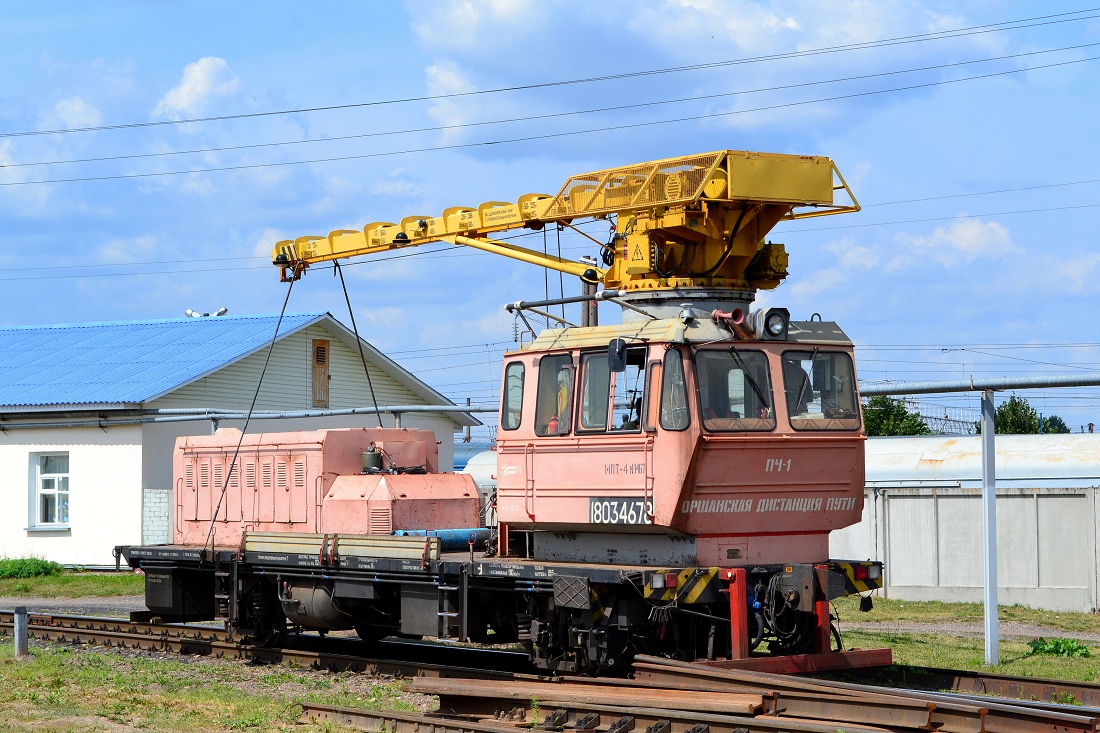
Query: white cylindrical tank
column 483, row 468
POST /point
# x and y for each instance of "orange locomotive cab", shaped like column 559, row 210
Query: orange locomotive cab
column 711, row 447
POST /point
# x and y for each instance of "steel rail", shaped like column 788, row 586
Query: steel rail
column 990, row 715
column 577, row 717
column 1086, row 694
column 214, row 642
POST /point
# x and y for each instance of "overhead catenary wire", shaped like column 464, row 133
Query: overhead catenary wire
column 547, row 116
column 1031, row 22
column 543, row 136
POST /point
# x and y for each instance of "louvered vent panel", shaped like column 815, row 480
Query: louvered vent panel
column 381, row 520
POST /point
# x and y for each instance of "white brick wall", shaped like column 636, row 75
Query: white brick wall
column 156, row 517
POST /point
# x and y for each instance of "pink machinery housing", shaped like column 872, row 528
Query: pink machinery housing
column 315, row 481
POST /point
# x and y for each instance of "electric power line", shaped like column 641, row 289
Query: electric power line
column 554, row 115
column 1036, row 21
column 544, row 136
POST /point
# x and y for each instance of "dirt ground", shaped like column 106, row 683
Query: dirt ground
column 116, row 606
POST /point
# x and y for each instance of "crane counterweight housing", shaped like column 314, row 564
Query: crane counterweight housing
column 664, row 485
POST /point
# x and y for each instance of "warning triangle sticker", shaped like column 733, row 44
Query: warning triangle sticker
column 637, row 256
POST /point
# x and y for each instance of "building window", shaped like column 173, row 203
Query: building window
column 51, row 490
column 321, row 358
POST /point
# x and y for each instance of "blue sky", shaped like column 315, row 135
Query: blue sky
column 976, row 252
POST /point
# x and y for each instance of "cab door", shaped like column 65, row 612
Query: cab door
column 597, row 468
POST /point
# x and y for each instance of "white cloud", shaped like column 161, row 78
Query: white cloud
column 120, row 251
column 490, row 327
column 395, row 183
column 203, row 81
column 818, row 282
column 340, row 194
column 1081, row 271
column 74, row 112
column 470, row 24
column 30, row 201
column 381, row 319
column 851, row 255
column 964, row 239
column 265, row 242
column 446, row 77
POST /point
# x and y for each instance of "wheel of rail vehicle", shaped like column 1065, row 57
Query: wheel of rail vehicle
column 266, row 622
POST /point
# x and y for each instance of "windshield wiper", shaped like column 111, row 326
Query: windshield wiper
column 752, row 382
column 806, row 377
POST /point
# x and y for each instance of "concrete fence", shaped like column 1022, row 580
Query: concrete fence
column 930, row 538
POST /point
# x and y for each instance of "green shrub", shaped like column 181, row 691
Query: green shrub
column 27, row 567
column 1059, row 647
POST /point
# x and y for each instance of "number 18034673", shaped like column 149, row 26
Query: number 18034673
column 619, row 511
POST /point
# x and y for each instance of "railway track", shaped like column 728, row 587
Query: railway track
column 665, row 696
column 715, row 701
column 400, row 659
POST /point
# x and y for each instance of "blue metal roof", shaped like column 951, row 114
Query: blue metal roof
column 125, row 362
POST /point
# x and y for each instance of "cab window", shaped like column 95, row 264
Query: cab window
column 820, row 390
column 674, row 409
column 554, row 398
column 511, row 411
column 627, row 389
column 595, row 392
column 734, row 390
column 611, row 401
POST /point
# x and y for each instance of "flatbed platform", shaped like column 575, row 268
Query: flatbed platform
column 449, row 563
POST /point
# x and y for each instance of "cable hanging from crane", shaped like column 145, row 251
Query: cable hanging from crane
column 247, row 420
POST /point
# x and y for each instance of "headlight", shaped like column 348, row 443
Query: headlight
column 771, row 325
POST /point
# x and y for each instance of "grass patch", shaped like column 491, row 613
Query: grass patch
column 75, row 585
column 953, row 652
column 891, row 610
column 63, row 688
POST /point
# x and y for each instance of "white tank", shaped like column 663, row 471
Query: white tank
column 483, row 468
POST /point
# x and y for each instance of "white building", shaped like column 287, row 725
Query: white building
column 89, row 415
column 923, row 519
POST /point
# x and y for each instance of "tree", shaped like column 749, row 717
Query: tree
column 887, row 416
column 1015, row 416
column 1055, row 424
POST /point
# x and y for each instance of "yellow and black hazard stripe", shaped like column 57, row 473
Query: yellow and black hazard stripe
column 859, row 577
column 692, row 585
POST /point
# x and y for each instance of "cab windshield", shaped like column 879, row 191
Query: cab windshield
column 735, row 393
column 820, row 390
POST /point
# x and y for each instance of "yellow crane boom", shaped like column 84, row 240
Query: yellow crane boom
column 692, row 221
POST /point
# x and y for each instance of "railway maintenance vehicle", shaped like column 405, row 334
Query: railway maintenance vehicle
column 665, row 485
